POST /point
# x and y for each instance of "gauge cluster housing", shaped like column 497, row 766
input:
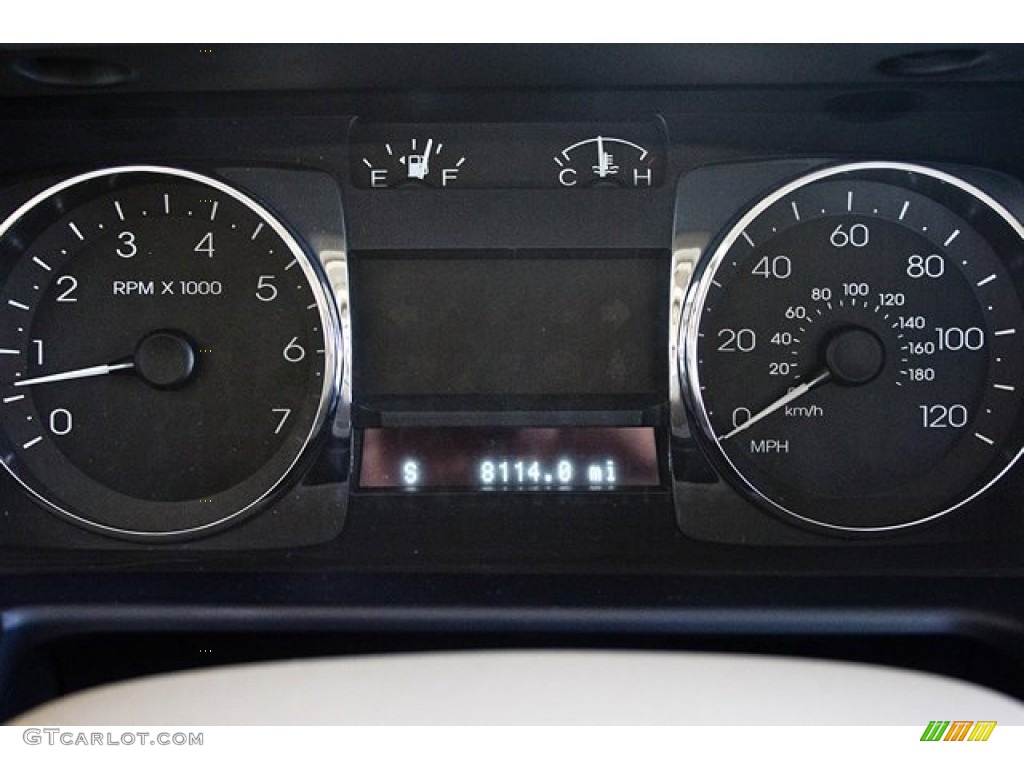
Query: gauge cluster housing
column 339, row 566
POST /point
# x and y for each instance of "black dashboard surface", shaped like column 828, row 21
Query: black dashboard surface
column 684, row 563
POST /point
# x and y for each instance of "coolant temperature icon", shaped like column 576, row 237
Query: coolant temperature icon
column 605, row 160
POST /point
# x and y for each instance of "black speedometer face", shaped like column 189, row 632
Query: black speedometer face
column 852, row 349
column 167, row 353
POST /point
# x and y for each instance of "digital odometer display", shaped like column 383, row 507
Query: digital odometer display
column 509, row 458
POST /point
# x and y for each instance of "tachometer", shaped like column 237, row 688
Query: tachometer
column 852, row 349
column 168, row 352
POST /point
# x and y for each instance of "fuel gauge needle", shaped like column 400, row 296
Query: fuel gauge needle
column 783, row 401
column 79, row 373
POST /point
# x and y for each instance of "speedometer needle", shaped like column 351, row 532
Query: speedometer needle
column 785, row 400
column 80, row 373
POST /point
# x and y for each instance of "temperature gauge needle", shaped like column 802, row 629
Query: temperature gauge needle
column 80, row 373
column 783, row 401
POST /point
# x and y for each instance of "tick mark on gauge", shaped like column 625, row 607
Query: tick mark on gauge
column 903, row 210
column 32, row 442
column 117, row 207
column 986, row 440
column 76, row 230
column 167, row 203
column 19, row 305
column 40, row 263
column 213, row 210
column 747, row 238
column 291, row 264
column 796, row 211
column 1004, row 387
column 952, row 237
column 849, row 201
column 9, row 352
column 14, row 398
column 1004, row 332
column 986, row 281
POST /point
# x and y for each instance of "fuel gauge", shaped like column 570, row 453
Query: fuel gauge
column 606, row 160
column 420, row 161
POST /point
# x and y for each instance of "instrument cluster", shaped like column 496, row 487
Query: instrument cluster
column 810, row 350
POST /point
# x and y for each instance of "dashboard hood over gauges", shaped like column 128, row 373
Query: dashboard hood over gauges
column 339, row 350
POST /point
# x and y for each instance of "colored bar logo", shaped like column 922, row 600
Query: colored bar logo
column 958, row 730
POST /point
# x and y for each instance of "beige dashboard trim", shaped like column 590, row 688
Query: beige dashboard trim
column 535, row 688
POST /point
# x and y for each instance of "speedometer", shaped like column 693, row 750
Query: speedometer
column 852, row 349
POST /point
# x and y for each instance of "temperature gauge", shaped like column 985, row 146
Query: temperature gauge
column 422, row 161
column 605, row 160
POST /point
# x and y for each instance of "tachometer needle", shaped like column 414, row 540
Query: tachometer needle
column 80, row 373
column 785, row 400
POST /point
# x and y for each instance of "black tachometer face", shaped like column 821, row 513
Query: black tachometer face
column 852, row 349
column 167, row 352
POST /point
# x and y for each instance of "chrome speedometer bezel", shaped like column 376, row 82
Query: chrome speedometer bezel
column 686, row 340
